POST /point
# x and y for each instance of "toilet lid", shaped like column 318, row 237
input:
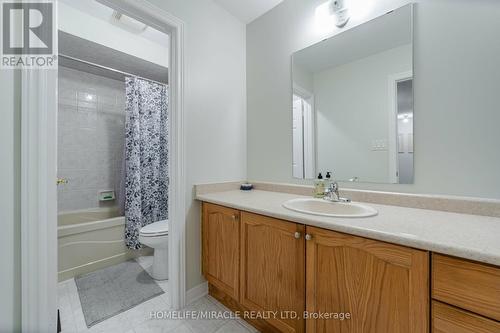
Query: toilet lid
column 155, row 229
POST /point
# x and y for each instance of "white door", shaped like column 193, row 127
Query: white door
column 308, row 140
column 298, row 142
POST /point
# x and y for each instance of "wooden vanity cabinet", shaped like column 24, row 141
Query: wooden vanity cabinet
column 384, row 287
column 221, row 248
column 258, row 263
column 449, row 319
column 272, row 269
column 471, row 291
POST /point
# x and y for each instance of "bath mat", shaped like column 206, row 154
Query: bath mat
column 112, row 290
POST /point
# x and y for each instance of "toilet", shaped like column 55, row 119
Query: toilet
column 155, row 235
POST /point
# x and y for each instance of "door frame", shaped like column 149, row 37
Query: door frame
column 308, row 97
column 392, row 148
column 39, row 172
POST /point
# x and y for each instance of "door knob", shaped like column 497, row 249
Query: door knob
column 297, row 235
column 308, row 237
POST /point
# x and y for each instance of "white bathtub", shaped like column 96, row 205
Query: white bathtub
column 90, row 240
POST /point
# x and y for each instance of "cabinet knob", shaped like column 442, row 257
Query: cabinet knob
column 234, row 217
column 297, row 235
column 308, row 237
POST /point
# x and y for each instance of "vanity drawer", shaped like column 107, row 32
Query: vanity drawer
column 448, row 319
column 467, row 285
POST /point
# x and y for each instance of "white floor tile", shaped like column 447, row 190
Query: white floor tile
column 158, row 326
column 184, row 328
column 232, row 326
column 138, row 319
column 165, row 300
column 81, row 325
column 117, row 323
column 204, row 325
column 163, row 284
column 247, row 326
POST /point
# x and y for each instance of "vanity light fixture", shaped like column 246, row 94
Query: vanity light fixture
column 330, row 14
column 340, row 11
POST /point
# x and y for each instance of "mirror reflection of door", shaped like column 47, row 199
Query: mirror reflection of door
column 298, row 143
column 405, row 130
column 303, row 137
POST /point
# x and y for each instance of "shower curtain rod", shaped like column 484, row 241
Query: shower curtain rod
column 107, row 68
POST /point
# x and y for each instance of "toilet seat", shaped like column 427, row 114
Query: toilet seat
column 155, row 229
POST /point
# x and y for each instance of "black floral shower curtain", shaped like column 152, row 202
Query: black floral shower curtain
column 146, row 156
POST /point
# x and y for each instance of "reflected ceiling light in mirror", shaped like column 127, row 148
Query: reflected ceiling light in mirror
column 405, row 117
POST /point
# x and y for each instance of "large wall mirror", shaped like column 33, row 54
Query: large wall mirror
column 353, row 103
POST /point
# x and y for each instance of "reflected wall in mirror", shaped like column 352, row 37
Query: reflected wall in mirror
column 353, row 103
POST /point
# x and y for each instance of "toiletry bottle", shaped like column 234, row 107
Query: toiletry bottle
column 328, row 180
column 319, row 186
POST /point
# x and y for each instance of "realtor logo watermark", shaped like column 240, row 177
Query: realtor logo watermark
column 28, row 36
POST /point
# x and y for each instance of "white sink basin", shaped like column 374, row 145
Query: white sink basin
column 328, row 208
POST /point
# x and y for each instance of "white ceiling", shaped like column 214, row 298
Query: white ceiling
column 248, row 10
column 103, row 12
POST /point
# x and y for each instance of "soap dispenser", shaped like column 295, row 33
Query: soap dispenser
column 319, row 186
column 328, row 180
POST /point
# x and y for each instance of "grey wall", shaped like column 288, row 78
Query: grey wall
column 457, row 70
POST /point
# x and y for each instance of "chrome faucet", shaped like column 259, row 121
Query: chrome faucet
column 332, row 193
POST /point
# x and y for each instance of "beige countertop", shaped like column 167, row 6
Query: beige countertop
column 462, row 235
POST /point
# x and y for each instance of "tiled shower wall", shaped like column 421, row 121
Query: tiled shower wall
column 91, row 124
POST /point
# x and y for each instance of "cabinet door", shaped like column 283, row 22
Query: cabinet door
column 384, row 287
column 272, row 270
column 221, row 243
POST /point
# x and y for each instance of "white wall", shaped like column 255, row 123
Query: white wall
column 352, row 110
column 457, row 72
column 303, row 78
column 215, row 107
column 10, row 237
column 215, row 114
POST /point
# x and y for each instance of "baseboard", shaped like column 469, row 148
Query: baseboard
column 196, row 293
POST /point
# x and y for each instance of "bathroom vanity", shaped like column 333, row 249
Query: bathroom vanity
column 387, row 262
column 404, row 270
